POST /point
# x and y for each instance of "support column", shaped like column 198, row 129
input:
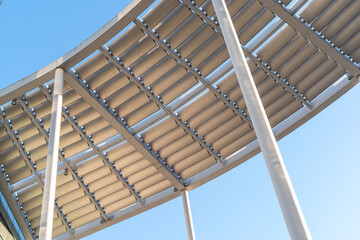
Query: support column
column 187, row 212
column 285, row 193
column 47, row 210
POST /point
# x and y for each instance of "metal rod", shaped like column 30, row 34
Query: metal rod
column 120, row 125
column 31, row 165
column 76, row 177
column 193, row 71
column 258, row 62
column 188, row 217
column 94, row 147
column 173, row 106
column 314, row 37
column 157, row 99
column 289, row 204
column 47, row 210
column 12, row 201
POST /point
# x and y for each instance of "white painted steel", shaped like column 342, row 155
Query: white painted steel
column 16, row 211
column 47, row 210
column 311, row 36
column 289, row 204
column 284, row 128
column 83, row 50
column 137, row 128
column 281, row 130
column 187, row 213
column 263, row 36
column 187, row 98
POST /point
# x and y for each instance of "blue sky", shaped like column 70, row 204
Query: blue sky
column 322, row 156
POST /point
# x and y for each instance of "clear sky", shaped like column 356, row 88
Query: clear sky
column 322, row 156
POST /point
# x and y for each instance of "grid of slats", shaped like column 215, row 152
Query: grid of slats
column 286, row 52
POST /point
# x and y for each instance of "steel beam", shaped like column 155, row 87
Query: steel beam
column 26, row 156
column 285, row 193
column 193, row 71
column 81, row 131
column 15, row 206
column 47, row 212
column 258, row 62
column 200, row 12
column 138, row 128
column 187, row 213
column 157, row 99
column 120, row 125
column 78, row 53
column 40, row 126
column 294, row 6
column 312, row 36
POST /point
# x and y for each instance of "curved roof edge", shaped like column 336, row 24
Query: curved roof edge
column 77, row 54
column 80, row 52
column 335, row 91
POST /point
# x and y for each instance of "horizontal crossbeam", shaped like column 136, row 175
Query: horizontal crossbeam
column 81, row 131
column 157, row 99
column 312, row 36
column 118, row 124
column 187, row 65
column 40, row 126
column 32, row 166
column 264, row 66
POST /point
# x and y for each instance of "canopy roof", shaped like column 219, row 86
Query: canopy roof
column 152, row 105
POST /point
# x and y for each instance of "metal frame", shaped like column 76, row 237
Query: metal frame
column 173, row 107
column 81, row 131
column 83, row 50
column 312, row 36
column 193, row 71
column 157, row 99
column 40, row 126
column 284, row 190
column 31, row 165
column 280, row 130
column 187, row 213
column 120, row 125
column 258, row 62
column 15, row 206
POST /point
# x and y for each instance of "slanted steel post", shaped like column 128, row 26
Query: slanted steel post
column 187, row 212
column 47, row 210
column 285, row 193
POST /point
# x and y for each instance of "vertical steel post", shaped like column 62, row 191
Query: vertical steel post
column 187, row 212
column 47, row 210
column 285, row 193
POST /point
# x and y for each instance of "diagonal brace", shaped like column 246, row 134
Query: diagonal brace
column 264, row 66
column 81, row 131
column 26, row 156
column 157, row 99
column 313, row 37
column 193, row 71
column 118, row 124
column 78, row 179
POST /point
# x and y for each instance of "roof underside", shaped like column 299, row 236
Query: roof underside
column 157, row 108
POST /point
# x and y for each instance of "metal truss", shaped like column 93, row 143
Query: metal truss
column 157, row 99
column 15, row 201
column 81, row 131
column 40, row 126
column 258, row 62
column 193, row 71
column 120, row 125
column 26, row 156
column 308, row 32
column 203, row 15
